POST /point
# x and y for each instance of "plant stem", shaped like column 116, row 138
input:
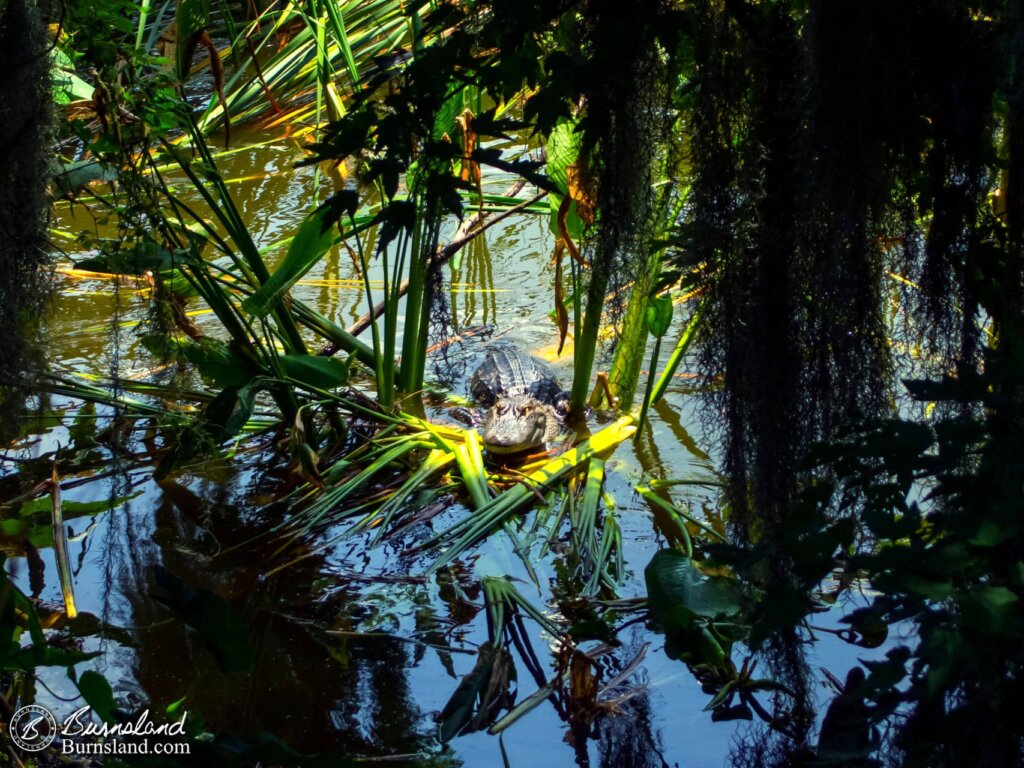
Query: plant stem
column 650, row 386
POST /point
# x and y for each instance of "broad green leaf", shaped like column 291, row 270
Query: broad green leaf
column 145, row 256
column 991, row 534
column 659, row 315
column 563, row 150
column 444, row 120
column 97, row 693
column 678, row 353
column 992, row 610
column 672, row 580
column 69, row 87
column 318, row 372
column 311, row 242
column 230, row 410
column 192, row 17
column 930, row 588
column 73, row 509
column 34, row 523
column 221, row 363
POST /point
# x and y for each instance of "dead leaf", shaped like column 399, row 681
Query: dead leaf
column 585, row 204
column 217, row 69
column 563, row 232
column 561, row 313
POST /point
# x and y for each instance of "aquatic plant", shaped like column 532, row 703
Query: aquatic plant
column 780, row 165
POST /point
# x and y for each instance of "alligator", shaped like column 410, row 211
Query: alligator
column 524, row 400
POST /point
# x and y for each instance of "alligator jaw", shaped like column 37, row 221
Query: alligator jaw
column 516, row 424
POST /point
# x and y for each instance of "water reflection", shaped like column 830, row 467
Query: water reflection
column 303, row 671
column 629, row 740
column 473, row 298
column 315, row 691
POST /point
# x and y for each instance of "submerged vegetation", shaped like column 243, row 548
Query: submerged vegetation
column 818, row 207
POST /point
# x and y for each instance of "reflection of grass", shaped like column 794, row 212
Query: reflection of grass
column 484, row 692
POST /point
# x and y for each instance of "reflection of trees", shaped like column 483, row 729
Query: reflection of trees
column 628, row 740
column 846, row 736
column 304, row 688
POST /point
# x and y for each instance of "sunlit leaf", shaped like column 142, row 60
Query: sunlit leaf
column 314, row 238
column 563, row 149
column 659, row 315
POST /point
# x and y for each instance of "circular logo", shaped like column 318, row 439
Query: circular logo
column 33, row 728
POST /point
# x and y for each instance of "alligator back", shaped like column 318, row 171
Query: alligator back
column 508, row 372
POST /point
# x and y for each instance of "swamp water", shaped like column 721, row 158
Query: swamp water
column 346, row 648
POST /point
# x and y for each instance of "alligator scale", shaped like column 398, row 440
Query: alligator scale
column 523, row 398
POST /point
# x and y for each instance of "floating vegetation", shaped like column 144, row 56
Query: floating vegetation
column 794, row 227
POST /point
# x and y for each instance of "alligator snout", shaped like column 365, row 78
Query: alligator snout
column 517, row 423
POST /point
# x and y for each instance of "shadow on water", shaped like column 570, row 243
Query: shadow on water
column 252, row 654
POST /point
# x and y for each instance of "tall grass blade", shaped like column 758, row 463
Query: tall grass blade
column 470, row 458
column 60, row 546
column 525, row 706
column 652, row 497
column 584, row 533
column 436, row 461
column 658, row 320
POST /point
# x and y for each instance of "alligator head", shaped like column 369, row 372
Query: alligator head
column 518, row 423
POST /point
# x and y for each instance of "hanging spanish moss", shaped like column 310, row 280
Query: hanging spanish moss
column 635, row 154
column 25, row 134
column 748, row 211
column 625, row 129
column 837, row 147
column 813, row 176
